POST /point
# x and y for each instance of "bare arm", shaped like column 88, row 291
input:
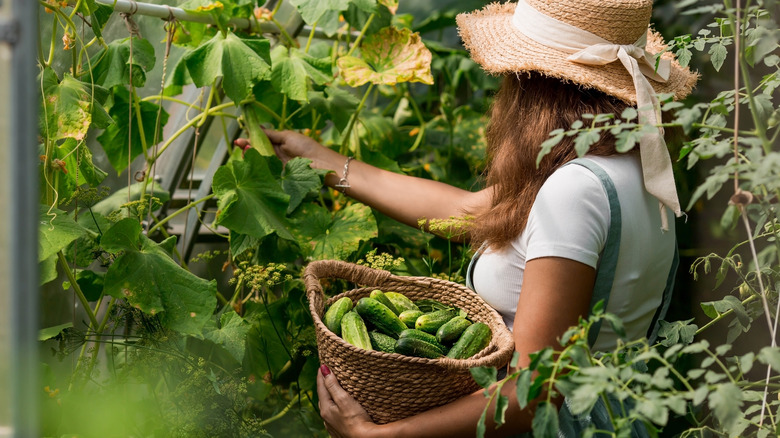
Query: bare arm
column 401, row 197
column 556, row 292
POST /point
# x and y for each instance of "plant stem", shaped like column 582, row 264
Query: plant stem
column 281, row 413
column 345, row 142
column 74, row 284
column 179, row 211
column 283, row 31
column 362, row 33
column 311, row 37
column 190, row 124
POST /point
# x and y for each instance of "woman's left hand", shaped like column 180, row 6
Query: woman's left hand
column 343, row 415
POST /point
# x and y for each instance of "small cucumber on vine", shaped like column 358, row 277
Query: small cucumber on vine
column 257, row 137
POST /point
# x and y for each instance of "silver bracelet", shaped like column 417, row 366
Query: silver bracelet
column 343, row 184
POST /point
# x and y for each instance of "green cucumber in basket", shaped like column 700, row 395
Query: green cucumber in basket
column 409, row 317
column 476, row 337
column 430, row 322
column 382, row 298
column 400, row 301
column 427, row 337
column 452, row 329
column 380, row 316
column 354, row 331
column 411, row 346
column 381, row 342
column 428, row 305
column 335, row 313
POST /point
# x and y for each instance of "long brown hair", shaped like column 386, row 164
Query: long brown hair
column 525, row 110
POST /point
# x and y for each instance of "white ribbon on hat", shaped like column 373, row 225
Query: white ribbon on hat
column 590, row 49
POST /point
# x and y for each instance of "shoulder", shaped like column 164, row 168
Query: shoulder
column 569, row 218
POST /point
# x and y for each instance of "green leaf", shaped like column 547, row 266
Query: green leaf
column 91, row 284
column 770, row 356
column 293, row 69
column 241, row 62
column 484, row 376
column 325, row 236
column 231, row 334
column 299, row 179
column 545, row 422
column 502, row 403
column 357, row 17
column 53, row 332
column 325, row 13
column 257, row 137
column 390, row 56
column 240, row 243
column 146, row 276
column 547, row 145
column 523, row 387
column 718, row 55
column 677, row 332
column 584, row 141
column 726, row 402
column 111, row 65
column 115, row 138
column 78, row 161
column 47, row 270
column 56, row 230
column 481, row 423
column 98, row 14
column 67, row 107
column 251, row 201
column 729, row 302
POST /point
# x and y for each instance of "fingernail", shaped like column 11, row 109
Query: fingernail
column 324, row 370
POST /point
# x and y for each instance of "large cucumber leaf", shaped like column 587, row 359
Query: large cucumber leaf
column 324, row 236
column 251, row 201
column 241, row 62
column 145, row 275
column 111, row 65
column 115, row 138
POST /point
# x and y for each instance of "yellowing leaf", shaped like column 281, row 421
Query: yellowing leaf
column 389, row 56
column 392, row 5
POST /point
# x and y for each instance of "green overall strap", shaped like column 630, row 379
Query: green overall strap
column 605, row 274
column 660, row 313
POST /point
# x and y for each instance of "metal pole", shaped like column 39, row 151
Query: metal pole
column 19, row 100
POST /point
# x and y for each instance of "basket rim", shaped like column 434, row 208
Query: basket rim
column 501, row 343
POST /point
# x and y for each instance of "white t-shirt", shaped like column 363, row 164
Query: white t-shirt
column 570, row 219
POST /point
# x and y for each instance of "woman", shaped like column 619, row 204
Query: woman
column 552, row 239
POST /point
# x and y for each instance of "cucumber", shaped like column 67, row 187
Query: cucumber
column 380, row 316
column 476, row 337
column 382, row 298
column 354, row 331
column 400, row 301
column 430, row 322
column 335, row 312
column 427, row 337
column 382, row 342
column 416, row 347
column 428, row 306
column 409, row 317
column 452, row 329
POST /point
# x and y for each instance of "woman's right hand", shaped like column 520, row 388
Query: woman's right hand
column 288, row 145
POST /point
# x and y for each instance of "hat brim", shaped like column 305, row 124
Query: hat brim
column 499, row 47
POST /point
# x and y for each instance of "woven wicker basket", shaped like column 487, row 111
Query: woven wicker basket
column 392, row 386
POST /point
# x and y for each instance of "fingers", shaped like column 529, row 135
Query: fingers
column 322, row 391
column 276, row 137
column 243, row 143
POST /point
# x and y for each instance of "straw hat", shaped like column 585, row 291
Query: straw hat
column 499, row 46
